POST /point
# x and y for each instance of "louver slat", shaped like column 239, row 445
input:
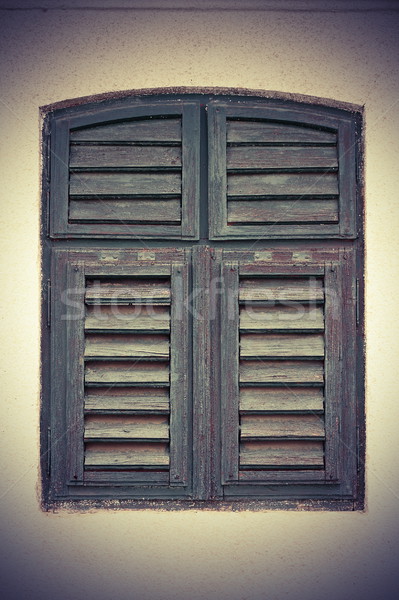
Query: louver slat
column 122, row 184
column 125, row 211
column 283, row 211
column 136, row 130
column 126, row 456
column 261, row 132
column 123, row 318
column 124, row 156
column 300, row 184
column 281, row 157
column 282, row 455
column 127, row 400
column 276, row 318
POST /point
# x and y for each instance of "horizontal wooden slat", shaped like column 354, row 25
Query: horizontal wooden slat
column 126, row 400
column 127, row 318
column 282, row 211
column 282, row 454
column 281, row 289
column 264, row 318
column 122, row 455
column 282, row 399
column 164, row 130
column 127, row 291
column 93, row 184
column 266, row 132
column 125, row 211
column 286, row 345
column 124, row 156
column 268, row 371
column 258, row 427
column 122, row 373
column 125, row 346
column 281, row 157
column 280, row 184
column 145, row 429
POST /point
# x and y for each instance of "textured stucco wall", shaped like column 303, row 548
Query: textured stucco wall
column 48, row 56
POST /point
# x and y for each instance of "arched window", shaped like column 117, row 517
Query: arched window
column 203, row 340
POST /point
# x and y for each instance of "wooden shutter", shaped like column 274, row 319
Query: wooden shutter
column 127, row 392
column 280, row 172
column 284, row 393
column 126, row 172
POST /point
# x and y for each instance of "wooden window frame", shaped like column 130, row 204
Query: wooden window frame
column 205, row 418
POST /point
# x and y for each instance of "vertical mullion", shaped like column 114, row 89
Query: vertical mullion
column 332, row 368
column 230, row 373
column 190, row 170
column 217, row 170
column 179, row 375
column 201, row 374
column 75, row 373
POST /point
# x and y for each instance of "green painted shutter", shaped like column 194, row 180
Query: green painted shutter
column 280, row 172
column 125, row 369
column 285, row 363
column 126, row 172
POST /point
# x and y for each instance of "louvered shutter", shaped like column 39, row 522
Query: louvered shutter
column 280, row 172
column 203, row 372
column 126, row 172
column 125, row 371
column 285, row 395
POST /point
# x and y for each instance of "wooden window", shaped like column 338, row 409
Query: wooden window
column 204, row 371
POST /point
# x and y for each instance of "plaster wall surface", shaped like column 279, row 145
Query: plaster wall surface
column 59, row 53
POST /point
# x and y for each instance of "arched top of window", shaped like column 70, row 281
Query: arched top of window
column 138, row 166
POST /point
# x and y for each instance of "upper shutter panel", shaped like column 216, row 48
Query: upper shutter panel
column 279, row 172
column 127, row 172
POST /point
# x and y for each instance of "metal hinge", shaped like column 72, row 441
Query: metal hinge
column 48, row 303
column 48, row 451
column 357, row 302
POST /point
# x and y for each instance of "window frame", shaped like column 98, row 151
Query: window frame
column 205, row 267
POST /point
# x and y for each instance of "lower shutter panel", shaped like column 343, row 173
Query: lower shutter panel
column 128, row 415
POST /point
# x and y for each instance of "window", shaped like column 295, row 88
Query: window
column 202, row 339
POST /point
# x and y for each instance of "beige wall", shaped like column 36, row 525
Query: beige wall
column 146, row 555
